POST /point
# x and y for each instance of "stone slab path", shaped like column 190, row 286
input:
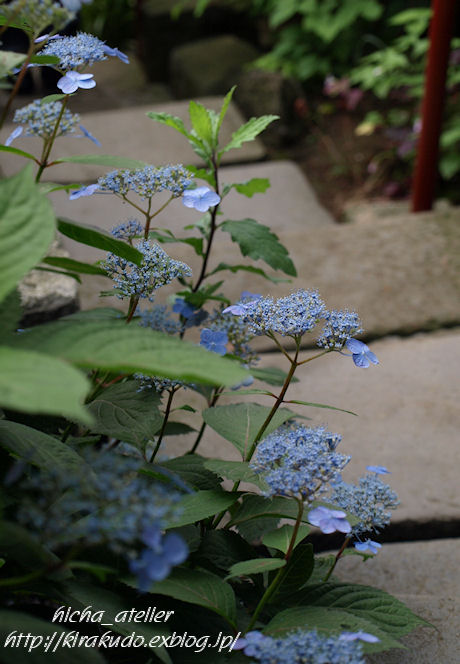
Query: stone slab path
column 128, row 132
column 407, row 418
column 424, row 575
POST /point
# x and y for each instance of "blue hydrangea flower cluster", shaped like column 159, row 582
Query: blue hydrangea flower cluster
column 128, row 230
column 81, row 50
column 190, row 315
column 339, row 327
column 159, row 319
column 156, row 561
column 371, row 501
column 298, row 461
column 157, row 384
column 147, row 181
column 105, row 501
column 237, row 332
column 300, row 647
column 39, row 14
column 292, row 315
column 214, row 341
column 157, row 269
column 40, row 119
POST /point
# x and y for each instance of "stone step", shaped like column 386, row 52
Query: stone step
column 290, row 202
column 424, row 575
column 408, row 418
column 401, row 274
column 128, row 132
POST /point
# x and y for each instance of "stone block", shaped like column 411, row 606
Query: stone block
column 209, row 66
column 262, row 92
column 161, row 33
column 128, row 132
column 46, row 296
column 289, row 202
column 407, row 420
column 424, row 576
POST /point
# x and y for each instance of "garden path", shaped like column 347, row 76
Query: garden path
column 401, row 274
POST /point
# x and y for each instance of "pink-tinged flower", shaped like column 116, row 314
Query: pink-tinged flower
column 84, row 191
column 73, row 80
column 14, row 134
column 201, row 198
column 329, row 520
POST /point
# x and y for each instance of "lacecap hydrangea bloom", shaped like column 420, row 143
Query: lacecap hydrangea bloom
column 300, row 647
column 147, row 181
column 75, row 52
column 128, row 230
column 339, row 327
column 157, row 269
column 237, row 332
column 103, row 501
column 292, row 315
column 371, row 501
column 38, row 14
column 39, row 119
column 158, row 318
column 298, row 461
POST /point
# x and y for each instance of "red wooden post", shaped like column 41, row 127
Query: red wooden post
column 426, row 169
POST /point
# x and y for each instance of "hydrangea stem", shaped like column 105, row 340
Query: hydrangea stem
column 49, row 144
column 165, row 422
column 212, row 229
column 17, row 84
column 273, row 587
column 337, row 558
column 214, row 400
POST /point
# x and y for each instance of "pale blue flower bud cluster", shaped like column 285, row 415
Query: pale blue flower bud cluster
column 38, row 14
column 298, row 461
column 81, row 50
column 159, row 318
column 111, row 504
column 339, row 326
column 147, row 181
column 238, row 335
column 300, row 647
column 128, row 231
column 40, row 119
column 371, row 501
column 155, row 383
column 292, row 315
column 157, row 269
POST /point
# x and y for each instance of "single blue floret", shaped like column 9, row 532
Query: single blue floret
column 14, row 134
column 201, row 198
column 379, row 470
column 73, row 80
column 155, row 562
column 359, row 636
column 115, row 52
column 87, row 134
column 369, row 546
column 362, row 354
column 329, row 520
column 84, row 191
column 214, row 341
